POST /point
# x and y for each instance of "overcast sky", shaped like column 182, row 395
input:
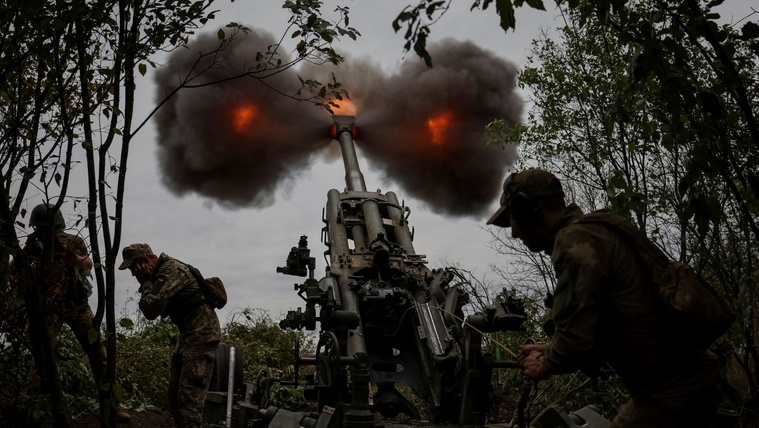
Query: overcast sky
column 244, row 245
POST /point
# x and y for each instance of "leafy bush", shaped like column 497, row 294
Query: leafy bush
column 572, row 391
column 264, row 345
column 145, row 348
column 21, row 401
column 143, row 360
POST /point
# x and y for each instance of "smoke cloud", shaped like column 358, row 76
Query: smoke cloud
column 236, row 141
column 423, row 128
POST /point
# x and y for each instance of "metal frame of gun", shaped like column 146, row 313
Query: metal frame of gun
column 385, row 317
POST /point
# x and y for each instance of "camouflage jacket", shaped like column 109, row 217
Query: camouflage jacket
column 606, row 309
column 174, row 292
column 71, row 285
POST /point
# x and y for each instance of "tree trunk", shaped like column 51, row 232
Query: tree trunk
column 44, row 354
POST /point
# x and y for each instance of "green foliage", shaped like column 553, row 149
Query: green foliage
column 264, row 345
column 74, row 366
column 649, row 108
column 418, row 20
column 21, row 400
column 143, row 362
column 572, row 392
column 20, row 405
column 67, row 95
column 316, row 36
column 65, row 67
column 575, row 391
column 145, row 349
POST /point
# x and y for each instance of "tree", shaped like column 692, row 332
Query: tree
column 67, row 98
column 655, row 117
column 634, row 145
column 37, row 139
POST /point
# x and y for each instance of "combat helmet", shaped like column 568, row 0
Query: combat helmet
column 40, row 217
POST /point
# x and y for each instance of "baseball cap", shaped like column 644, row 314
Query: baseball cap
column 535, row 182
column 132, row 252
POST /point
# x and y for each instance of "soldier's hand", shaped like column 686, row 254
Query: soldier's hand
column 531, row 360
column 528, row 349
column 84, row 263
column 141, row 271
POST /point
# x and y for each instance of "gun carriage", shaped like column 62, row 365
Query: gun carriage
column 384, row 319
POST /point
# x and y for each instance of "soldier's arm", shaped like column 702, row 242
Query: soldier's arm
column 157, row 294
column 150, row 305
column 581, row 271
column 84, row 262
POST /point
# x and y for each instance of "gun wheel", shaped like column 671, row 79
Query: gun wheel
column 327, row 360
column 262, row 394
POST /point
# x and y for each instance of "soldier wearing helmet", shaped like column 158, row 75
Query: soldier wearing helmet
column 45, row 222
column 40, row 218
column 605, row 309
column 67, row 286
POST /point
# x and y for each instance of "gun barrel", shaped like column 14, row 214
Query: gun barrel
column 402, row 234
column 354, row 179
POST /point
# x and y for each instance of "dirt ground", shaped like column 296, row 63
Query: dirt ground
column 146, row 419
column 150, row 419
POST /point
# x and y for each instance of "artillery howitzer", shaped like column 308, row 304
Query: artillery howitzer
column 385, row 318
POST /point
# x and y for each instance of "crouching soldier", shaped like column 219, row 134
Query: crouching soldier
column 169, row 288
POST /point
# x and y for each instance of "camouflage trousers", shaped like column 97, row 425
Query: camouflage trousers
column 79, row 319
column 190, row 376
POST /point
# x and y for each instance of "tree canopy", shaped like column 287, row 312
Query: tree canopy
column 67, row 103
column 649, row 109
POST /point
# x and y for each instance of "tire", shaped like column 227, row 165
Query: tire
column 220, row 377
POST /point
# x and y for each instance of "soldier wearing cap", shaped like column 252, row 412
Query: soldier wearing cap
column 605, row 310
column 169, row 289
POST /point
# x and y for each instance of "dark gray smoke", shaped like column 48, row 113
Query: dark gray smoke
column 236, row 141
column 424, row 128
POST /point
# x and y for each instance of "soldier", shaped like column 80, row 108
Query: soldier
column 70, row 292
column 168, row 288
column 605, row 309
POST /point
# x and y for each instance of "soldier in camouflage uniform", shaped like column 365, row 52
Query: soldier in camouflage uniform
column 169, row 289
column 70, row 291
column 605, row 309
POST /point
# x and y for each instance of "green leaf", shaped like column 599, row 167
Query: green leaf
column 536, row 4
column 750, row 30
column 118, row 392
column 93, row 335
column 617, row 180
column 420, row 46
column 327, row 36
column 142, row 68
column 396, row 25
column 220, row 34
column 506, row 11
